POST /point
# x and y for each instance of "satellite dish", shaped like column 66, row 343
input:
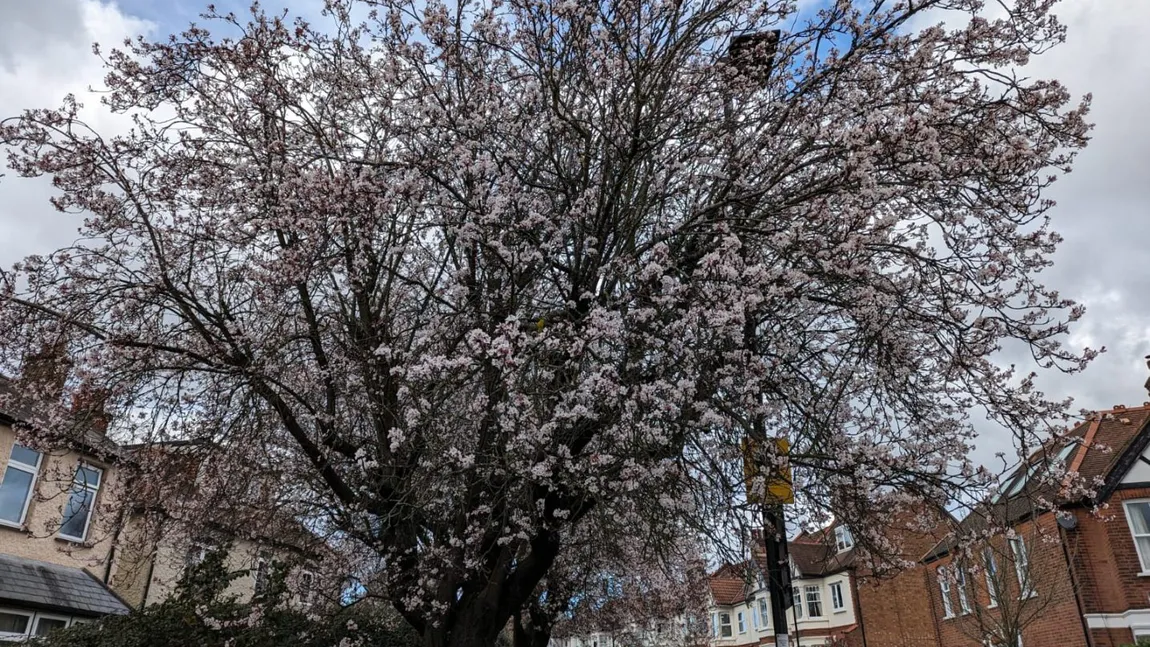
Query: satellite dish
column 1069, row 522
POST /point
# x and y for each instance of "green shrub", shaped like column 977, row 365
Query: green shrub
column 200, row 614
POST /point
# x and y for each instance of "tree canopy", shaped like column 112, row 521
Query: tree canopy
column 467, row 273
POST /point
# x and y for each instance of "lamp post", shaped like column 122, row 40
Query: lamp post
column 751, row 56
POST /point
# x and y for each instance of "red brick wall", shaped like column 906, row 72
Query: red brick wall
column 897, row 611
column 1111, row 637
column 1113, row 566
column 1053, row 611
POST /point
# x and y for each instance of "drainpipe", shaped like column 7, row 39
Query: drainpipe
column 858, row 607
column 933, row 610
column 1062, row 535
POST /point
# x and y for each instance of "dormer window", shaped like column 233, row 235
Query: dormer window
column 843, row 538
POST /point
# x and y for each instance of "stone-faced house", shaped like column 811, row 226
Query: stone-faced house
column 73, row 545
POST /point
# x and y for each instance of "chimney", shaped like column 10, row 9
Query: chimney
column 1147, row 384
column 89, row 408
column 43, row 373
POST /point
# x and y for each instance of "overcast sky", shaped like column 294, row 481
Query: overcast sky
column 45, row 52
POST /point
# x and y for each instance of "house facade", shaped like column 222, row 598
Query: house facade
column 73, row 549
column 1074, row 572
column 838, row 598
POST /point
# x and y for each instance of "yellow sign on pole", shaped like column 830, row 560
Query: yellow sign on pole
column 779, row 488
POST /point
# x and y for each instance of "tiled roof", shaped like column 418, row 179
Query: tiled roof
column 1104, row 441
column 26, row 582
column 819, row 559
column 731, row 583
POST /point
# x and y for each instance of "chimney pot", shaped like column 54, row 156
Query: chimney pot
column 89, row 407
column 44, row 373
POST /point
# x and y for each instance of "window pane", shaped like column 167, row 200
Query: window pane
column 13, row 623
column 1144, row 552
column 14, row 493
column 44, row 625
column 89, row 476
column 1139, row 517
column 76, row 511
column 24, row 455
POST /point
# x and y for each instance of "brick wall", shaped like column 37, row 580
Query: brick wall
column 1049, row 617
column 1115, row 566
column 896, row 611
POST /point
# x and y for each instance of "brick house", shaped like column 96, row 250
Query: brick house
column 71, row 550
column 1072, row 578
column 839, row 598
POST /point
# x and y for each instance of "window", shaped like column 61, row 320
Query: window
column 14, row 624
column 944, row 588
column 725, row 625
column 797, row 596
column 742, row 623
column 82, row 496
column 764, row 614
column 46, row 624
column 813, row 601
column 754, row 614
column 960, row 582
column 837, row 602
column 197, row 552
column 307, row 580
column 1138, row 518
column 843, row 538
column 1022, row 567
column 991, row 571
column 715, row 624
column 19, row 481
column 263, row 565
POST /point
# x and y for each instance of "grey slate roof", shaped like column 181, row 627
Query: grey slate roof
column 27, row 582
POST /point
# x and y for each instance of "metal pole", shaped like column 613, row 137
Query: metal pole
column 778, row 570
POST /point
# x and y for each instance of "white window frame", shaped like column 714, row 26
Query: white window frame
column 844, row 540
column 9, row 636
column 50, row 616
column 838, row 600
column 990, row 568
column 200, row 550
column 264, row 561
column 960, row 584
column 310, row 576
column 742, row 622
column 817, row 592
column 1143, row 560
column 715, row 625
column 725, row 629
column 34, row 621
column 764, row 613
column 944, row 588
column 1022, row 567
column 34, row 470
column 91, row 508
column 797, row 596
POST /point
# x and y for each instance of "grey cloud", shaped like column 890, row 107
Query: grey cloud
column 28, row 25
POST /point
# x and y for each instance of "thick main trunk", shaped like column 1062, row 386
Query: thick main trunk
column 529, row 633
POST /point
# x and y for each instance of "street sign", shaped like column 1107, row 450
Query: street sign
column 779, row 488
